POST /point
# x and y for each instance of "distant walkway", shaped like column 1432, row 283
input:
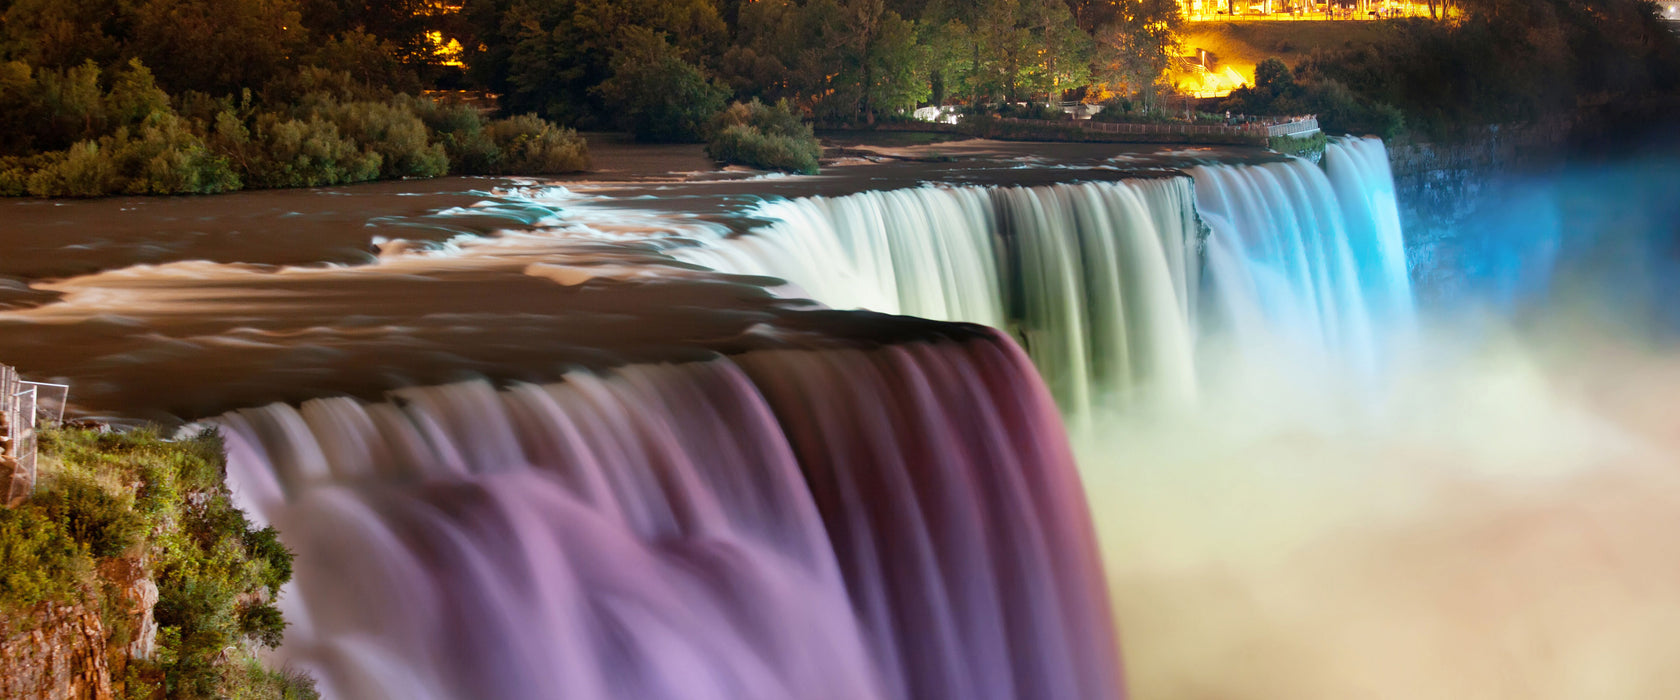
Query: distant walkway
column 1258, row 130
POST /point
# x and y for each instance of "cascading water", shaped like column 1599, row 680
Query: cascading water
column 1096, row 280
column 1109, row 284
column 1306, row 256
column 900, row 522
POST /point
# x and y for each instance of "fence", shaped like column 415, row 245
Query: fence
column 1293, row 126
column 23, row 406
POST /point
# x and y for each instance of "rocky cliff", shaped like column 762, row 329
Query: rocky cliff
column 81, row 652
column 57, row 652
column 1443, row 188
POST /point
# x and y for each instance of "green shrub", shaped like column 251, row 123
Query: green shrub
column 42, row 561
column 83, row 171
column 264, row 546
column 134, row 96
column 261, row 623
column 96, row 518
column 1031, row 110
column 529, row 145
column 461, row 129
column 334, row 129
column 284, row 152
column 764, row 136
column 251, row 681
column 394, row 132
column 166, row 157
column 1309, row 147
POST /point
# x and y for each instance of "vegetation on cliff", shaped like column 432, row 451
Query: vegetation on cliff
column 110, row 501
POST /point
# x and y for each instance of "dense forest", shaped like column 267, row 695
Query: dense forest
column 165, row 96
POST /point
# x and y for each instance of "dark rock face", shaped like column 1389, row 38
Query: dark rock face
column 58, row 655
column 1442, row 189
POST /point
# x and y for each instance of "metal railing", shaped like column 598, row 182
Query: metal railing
column 24, row 405
column 1266, row 127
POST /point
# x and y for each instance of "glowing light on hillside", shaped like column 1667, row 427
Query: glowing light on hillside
column 448, row 53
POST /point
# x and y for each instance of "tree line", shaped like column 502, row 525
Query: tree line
column 608, row 63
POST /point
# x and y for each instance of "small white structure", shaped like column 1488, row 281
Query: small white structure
column 938, row 115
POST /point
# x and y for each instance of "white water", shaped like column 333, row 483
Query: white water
column 1110, row 285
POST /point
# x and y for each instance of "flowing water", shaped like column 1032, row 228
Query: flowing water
column 626, row 449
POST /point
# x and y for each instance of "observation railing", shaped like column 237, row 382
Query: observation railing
column 24, row 405
column 1291, row 126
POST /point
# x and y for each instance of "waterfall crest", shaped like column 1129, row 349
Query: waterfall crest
column 1096, row 280
column 1111, row 286
column 899, row 522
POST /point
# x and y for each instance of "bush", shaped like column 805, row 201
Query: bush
column 1031, row 110
column 42, row 561
column 262, row 623
column 764, row 136
column 82, row 171
column 132, row 140
column 99, row 520
column 392, row 131
column 531, row 146
column 1309, row 147
column 461, row 130
column 286, row 152
column 166, row 157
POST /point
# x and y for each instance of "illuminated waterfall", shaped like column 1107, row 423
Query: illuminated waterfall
column 1097, row 280
column 900, row 522
column 1304, row 256
column 1111, row 285
column 894, row 519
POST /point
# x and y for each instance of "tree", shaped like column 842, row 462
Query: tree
column 560, row 49
column 947, row 49
column 877, row 63
column 655, row 93
column 1273, row 77
column 1065, row 50
column 62, row 33
column 1134, row 52
column 216, row 46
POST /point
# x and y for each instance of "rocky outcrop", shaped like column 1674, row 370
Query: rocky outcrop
column 56, row 654
column 139, row 594
column 69, row 652
column 1441, row 188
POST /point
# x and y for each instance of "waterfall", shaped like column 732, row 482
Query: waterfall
column 1111, row 286
column 1096, row 280
column 897, row 522
column 1308, row 257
